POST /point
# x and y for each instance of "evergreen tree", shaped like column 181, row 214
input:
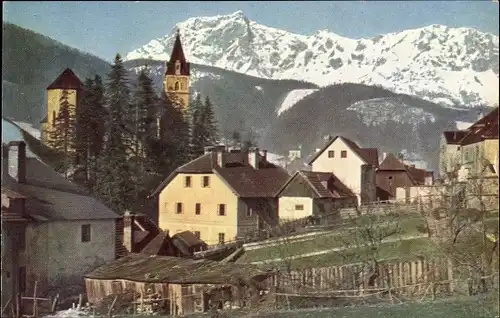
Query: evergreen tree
column 114, row 171
column 208, row 122
column 146, row 101
column 171, row 149
column 196, row 127
column 63, row 134
column 90, row 127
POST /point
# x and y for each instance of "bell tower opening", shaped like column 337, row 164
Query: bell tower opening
column 177, row 75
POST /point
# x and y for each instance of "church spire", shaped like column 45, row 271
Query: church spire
column 177, row 51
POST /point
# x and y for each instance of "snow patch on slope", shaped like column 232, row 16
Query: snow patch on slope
column 377, row 111
column 293, row 97
column 463, row 125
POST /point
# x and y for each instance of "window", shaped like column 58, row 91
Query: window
column 187, row 182
column 458, row 148
column 299, row 207
column 22, row 279
column 331, row 154
column 221, row 238
column 222, row 209
column 249, row 211
column 53, row 118
column 198, row 209
column 343, row 154
column 177, row 67
column 176, row 86
column 206, row 181
column 197, row 234
column 390, row 178
column 85, row 233
column 179, row 208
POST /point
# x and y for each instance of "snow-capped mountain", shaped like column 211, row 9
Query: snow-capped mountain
column 449, row 66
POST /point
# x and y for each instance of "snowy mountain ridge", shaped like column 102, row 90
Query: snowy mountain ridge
column 449, row 66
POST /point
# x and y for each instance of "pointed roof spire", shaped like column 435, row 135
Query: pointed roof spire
column 177, row 51
column 66, row 80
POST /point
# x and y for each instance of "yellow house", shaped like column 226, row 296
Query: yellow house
column 222, row 195
column 66, row 81
column 177, row 75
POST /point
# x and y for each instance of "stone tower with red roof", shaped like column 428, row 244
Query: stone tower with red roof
column 177, row 75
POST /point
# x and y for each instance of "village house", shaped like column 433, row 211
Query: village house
column 53, row 232
column 393, row 173
column 311, row 194
column 185, row 286
column 352, row 165
column 221, row 196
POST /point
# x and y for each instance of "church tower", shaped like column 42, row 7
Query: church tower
column 176, row 81
column 69, row 82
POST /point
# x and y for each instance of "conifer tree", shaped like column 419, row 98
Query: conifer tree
column 196, row 127
column 63, row 133
column 209, row 122
column 146, row 101
column 114, row 171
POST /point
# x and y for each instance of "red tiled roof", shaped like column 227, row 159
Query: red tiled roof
column 238, row 174
column 368, row 155
column 67, row 80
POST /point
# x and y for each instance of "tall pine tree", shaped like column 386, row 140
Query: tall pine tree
column 115, row 175
column 209, row 122
column 196, row 127
column 145, row 101
column 63, row 133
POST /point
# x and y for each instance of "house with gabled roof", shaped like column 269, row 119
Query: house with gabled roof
column 60, row 232
column 393, row 173
column 474, row 149
column 354, row 166
column 221, row 195
column 313, row 194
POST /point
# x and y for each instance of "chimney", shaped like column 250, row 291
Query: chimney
column 128, row 231
column 253, row 157
column 218, row 155
column 264, row 154
column 208, row 149
column 17, row 160
column 384, row 155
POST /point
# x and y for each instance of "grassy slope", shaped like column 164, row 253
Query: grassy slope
column 321, row 242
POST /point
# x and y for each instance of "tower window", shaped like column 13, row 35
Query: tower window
column 176, row 86
column 53, row 118
column 177, row 67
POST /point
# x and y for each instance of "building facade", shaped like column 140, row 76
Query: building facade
column 221, row 196
column 354, row 166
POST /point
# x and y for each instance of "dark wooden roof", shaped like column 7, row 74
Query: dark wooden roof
column 390, row 162
column 484, row 128
column 454, row 137
column 174, row 270
column 239, row 175
column 188, row 239
column 67, row 80
column 157, row 244
column 323, row 184
column 368, row 155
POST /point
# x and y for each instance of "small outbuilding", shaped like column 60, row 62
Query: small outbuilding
column 184, row 285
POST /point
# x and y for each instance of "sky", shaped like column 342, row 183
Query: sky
column 107, row 28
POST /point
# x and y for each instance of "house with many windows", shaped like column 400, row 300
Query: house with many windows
column 53, row 232
column 354, row 166
column 221, row 195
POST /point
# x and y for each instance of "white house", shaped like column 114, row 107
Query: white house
column 354, row 166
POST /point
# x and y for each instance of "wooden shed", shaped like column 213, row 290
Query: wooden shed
column 185, row 285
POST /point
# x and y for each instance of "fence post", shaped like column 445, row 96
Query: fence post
column 34, row 300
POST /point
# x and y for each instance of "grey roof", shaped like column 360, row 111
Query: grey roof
column 52, row 197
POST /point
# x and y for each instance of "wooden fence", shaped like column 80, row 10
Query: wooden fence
column 410, row 277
